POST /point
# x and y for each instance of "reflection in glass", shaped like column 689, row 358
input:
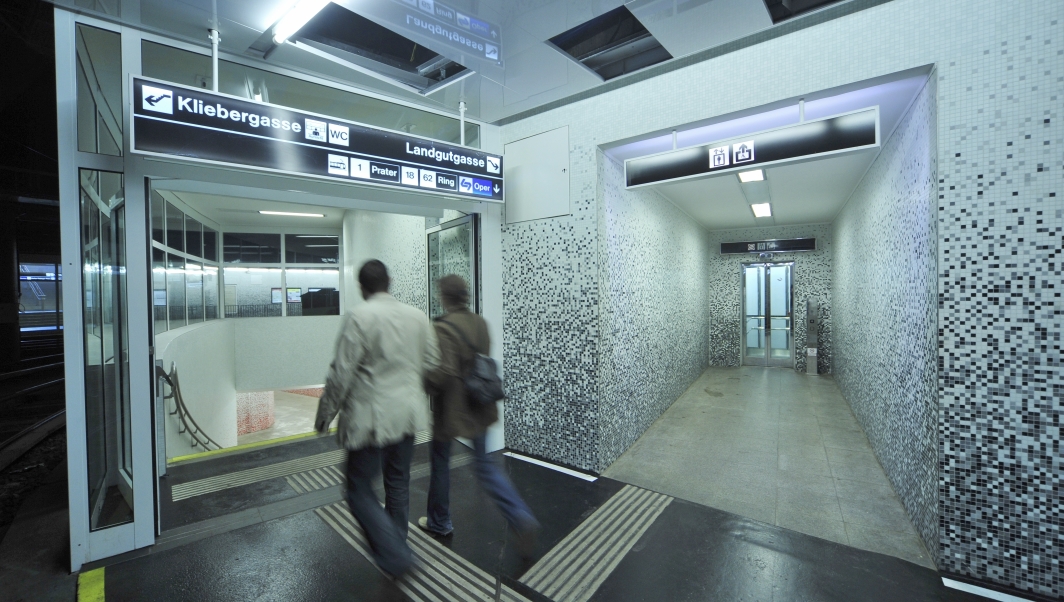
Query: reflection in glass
column 175, row 228
column 194, row 291
column 312, row 292
column 210, row 244
column 311, row 248
column 99, row 92
column 210, row 292
column 193, row 237
column 39, row 289
column 251, row 248
column 158, row 218
column 106, row 347
column 450, row 252
column 175, row 290
column 248, row 292
column 158, row 292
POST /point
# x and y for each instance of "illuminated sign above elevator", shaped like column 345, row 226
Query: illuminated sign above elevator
column 802, row 141
column 207, row 127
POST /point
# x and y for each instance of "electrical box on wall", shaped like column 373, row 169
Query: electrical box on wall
column 536, row 171
column 812, row 327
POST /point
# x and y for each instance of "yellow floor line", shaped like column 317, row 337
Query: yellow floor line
column 90, row 586
column 226, row 450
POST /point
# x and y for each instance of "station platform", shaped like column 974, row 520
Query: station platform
column 288, row 536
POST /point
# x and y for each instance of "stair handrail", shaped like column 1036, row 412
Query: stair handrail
column 187, row 422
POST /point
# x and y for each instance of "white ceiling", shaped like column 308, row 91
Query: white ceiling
column 528, row 74
column 229, row 212
column 806, row 192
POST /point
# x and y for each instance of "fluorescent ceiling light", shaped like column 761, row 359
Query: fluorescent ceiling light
column 751, row 176
column 292, row 214
column 762, row 210
column 320, row 246
column 296, row 18
column 316, row 236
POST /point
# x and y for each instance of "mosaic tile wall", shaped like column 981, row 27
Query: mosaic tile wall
column 654, row 308
column 1001, row 384
column 812, row 280
column 999, row 70
column 884, row 312
column 551, row 329
column 399, row 242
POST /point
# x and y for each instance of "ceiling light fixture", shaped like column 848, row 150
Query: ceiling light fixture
column 751, row 176
column 762, row 210
column 296, row 18
column 321, row 246
column 292, row 214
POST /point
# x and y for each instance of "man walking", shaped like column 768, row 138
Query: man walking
column 462, row 334
column 385, row 350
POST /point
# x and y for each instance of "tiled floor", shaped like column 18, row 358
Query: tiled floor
column 779, row 447
column 292, row 415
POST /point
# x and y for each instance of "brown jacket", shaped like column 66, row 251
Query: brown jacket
column 452, row 413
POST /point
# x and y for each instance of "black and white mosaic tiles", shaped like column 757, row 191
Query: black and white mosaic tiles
column 884, row 311
column 550, row 332
column 654, row 308
column 812, row 280
column 1000, row 255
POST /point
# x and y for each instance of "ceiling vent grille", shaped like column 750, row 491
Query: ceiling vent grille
column 611, row 45
column 781, row 10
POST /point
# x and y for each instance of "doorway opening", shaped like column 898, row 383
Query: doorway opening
column 768, row 314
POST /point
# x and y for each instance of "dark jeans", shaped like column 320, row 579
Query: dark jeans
column 385, row 528
column 491, row 477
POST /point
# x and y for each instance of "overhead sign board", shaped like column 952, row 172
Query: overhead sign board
column 198, row 125
column 790, row 245
column 843, row 133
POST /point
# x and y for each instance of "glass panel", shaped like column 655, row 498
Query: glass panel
column 158, row 218
column 38, row 296
column 210, row 244
column 193, row 237
column 311, row 248
column 450, row 252
column 251, row 248
column 106, row 350
column 99, row 74
column 253, row 292
column 194, row 291
column 192, row 69
column 312, row 292
column 175, row 290
column 780, row 311
column 158, row 293
column 175, row 228
column 210, row 292
column 754, row 310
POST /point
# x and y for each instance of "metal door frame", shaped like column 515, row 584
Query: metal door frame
column 767, row 361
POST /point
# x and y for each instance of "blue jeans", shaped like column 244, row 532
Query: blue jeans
column 385, row 528
column 492, row 479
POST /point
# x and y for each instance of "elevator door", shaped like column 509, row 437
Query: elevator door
column 768, row 314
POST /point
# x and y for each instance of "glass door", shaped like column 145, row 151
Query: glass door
column 107, row 385
column 452, row 250
column 768, row 337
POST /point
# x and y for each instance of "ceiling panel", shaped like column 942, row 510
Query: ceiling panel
column 683, row 27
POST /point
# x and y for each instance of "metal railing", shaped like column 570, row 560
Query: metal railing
column 187, row 424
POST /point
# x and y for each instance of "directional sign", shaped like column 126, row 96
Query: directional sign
column 789, row 245
column 844, row 133
column 197, row 125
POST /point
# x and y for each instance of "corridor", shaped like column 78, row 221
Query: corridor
column 776, row 446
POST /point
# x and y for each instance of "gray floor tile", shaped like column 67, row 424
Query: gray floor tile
column 806, row 464
column 844, row 439
column 817, row 526
column 822, row 504
column 884, row 516
column 898, row 544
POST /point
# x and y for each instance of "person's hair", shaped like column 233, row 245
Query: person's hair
column 374, row 277
column 453, row 290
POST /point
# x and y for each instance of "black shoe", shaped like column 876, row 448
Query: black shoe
column 526, row 540
column 423, row 524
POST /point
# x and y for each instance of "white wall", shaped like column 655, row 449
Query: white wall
column 398, row 241
column 206, row 368
column 284, row 353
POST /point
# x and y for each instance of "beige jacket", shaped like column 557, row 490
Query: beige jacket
column 375, row 382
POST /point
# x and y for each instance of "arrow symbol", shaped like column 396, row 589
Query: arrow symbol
column 497, row 189
column 494, row 34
